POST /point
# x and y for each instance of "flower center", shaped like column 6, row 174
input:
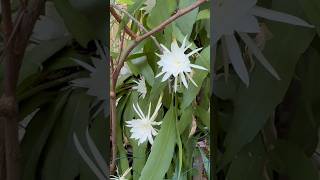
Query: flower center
column 145, row 125
column 177, row 63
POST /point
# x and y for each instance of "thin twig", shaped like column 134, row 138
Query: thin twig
column 122, row 38
column 138, row 24
column 118, row 18
column 120, row 64
column 13, row 56
column 6, row 19
column 12, row 34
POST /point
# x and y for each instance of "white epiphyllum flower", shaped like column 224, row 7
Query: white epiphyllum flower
column 177, row 64
column 123, row 177
column 141, row 87
column 228, row 20
column 142, row 129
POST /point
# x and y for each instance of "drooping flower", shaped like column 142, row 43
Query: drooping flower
column 123, row 177
column 177, row 64
column 142, row 129
column 141, row 87
column 228, row 20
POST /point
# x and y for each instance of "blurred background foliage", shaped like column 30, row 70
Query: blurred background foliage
column 269, row 130
column 51, row 107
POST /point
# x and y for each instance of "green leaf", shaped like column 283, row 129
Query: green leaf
column 37, row 101
column 83, row 27
column 250, row 162
column 306, row 98
column 185, row 119
column 162, row 11
column 144, row 68
column 157, row 165
column 186, row 22
column 254, row 104
column 204, row 116
column 190, row 94
column 98, row 134
column 34, row 58
column 37, row 134
column 61, row 160
column 127, row 2
column 123, row 163
column 204, row 14
column 312, row 10
column 288, row 159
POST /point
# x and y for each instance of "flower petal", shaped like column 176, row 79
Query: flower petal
column 175, row 84
column 161, row 73
column 193, row 52
column 149, row 111
column 165, row 48
column 235, row 56
column 184, row 81
column 256, row 51
column 279, row 16
column 165, row 77
column 190, row 78
column 198, row 67
column 138, row 112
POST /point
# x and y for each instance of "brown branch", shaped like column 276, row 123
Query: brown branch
column 16, row 42
column 6, row 19
column 115, row 73
column 12, row 34
column 138, row 23
column 118, row 18
column 122, row 38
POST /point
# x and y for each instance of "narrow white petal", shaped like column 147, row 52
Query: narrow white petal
column 184, row 42
column 165, row 77
column 184, row 81
column 236, row 59
column 165, row 48
column 193, row 52
column 256, row 51
column 198, row 67
column 150, row 139
column 161, row 73
column 149, row 111
column 153, row 117
column 174, row 45
column 279, row 16
column 188, row 47
column 194, row 83
column 175, row 84
column 138, row 112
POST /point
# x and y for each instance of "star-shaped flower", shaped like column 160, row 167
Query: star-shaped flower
column 141, row 87
column 228, row 20
column 142, row 129
column 177, row 64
